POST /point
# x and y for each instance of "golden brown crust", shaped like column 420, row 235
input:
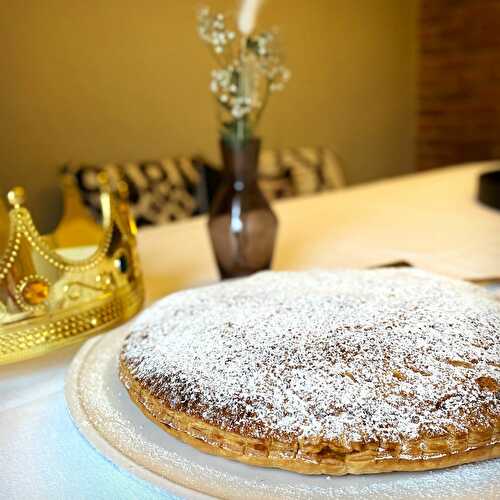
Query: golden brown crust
column 319, row 457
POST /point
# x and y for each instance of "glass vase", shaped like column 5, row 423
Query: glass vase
column 242, row 224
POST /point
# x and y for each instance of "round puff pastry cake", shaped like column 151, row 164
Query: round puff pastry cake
column 320, row 372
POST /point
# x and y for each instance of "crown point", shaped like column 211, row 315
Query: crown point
column 123, row 191
column 67, row 179
column 103, row 178
column 16, row 196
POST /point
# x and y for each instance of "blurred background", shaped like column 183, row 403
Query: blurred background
column 393, row 86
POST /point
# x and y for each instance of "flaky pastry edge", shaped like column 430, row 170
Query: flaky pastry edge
column 316, row 456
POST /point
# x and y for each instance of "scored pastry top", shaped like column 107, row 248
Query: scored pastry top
column 388, row 355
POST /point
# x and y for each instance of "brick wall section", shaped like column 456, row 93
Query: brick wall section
column 459, row 82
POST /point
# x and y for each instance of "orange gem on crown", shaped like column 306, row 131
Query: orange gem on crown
column 35, row 292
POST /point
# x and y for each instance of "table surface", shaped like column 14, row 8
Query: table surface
column 430, row 220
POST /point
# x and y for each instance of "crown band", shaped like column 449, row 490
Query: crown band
column 42, row 337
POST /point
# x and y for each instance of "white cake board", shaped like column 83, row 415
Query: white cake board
column 102, row 411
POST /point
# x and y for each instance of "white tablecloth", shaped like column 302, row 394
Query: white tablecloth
column 430, row 220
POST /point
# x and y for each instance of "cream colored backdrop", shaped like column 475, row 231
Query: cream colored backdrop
column 104, row 80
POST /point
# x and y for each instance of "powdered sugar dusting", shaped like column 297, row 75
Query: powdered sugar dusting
column 385, row 355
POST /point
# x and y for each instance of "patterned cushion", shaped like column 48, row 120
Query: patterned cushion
column 168, row 190
column 159, row 191
column 296, row 172
column 291, row 172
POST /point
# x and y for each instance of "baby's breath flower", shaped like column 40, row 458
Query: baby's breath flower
column 249, row 69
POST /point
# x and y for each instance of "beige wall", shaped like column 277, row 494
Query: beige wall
column 103, row 80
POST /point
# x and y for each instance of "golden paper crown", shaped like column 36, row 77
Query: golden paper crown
column 58, row 289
